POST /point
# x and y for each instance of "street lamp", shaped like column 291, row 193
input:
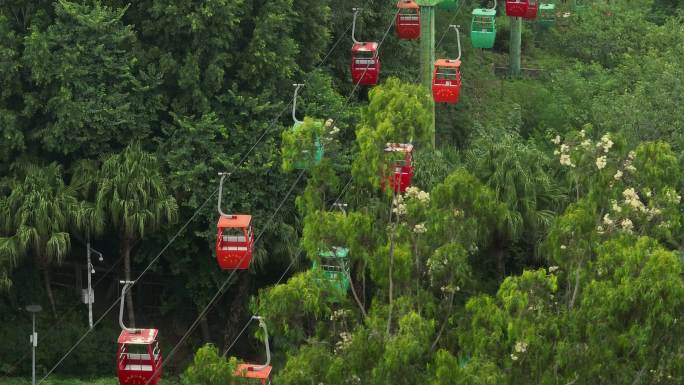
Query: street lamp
column 33, row 309
column 89, row 298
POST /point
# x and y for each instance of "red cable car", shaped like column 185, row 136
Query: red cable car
column 532, row 10
column 261, row 373
column 402, row 174
column 234, row 237
column 522, row 8
column 446, row 78
column 234, row 242
column 446, row 81
column 138, row 357
column 365, row 62
column 365, row 65
column 408, row 20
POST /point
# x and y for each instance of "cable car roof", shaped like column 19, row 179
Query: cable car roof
column 453, row 63
column 139, row 337
column 407, row 4
column 399, row 147
column 367, row 46
column 232, row 221
column 484, row 12
column 247, row 371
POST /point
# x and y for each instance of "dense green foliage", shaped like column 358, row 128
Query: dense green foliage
column 540, row 243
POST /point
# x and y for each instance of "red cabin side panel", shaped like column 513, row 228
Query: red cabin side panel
column 365, row 64
column 234, row 251
column 445, row 89
column 141, row 367
column 408, row 20
column 517, row 8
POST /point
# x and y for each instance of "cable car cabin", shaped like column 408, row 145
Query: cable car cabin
column 365, row 65
column 335, row 266
column 408, row 20
column 522, row 8
column 403, row 169
column 138, row 357
column 309, row 158
column 234, row 242
column 446, row 81
column 483, row 28
column 448, row 5
column 547, row 15
column 532, row 10
column 250, row 372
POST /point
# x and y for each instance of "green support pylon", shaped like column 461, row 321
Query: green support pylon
column 427, row 50
column 516, row 39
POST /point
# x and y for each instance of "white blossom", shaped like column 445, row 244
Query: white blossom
column 627, row 224
column 633, row 200
column 514, row 357
column 553, row 269
column 605, row 143
column 607, row 221
column 556, row 140
column 520, row 347
column 564, row 148
column 614, row 206
column 419, row 228
column 618, row 175
column 601, row 162
column 582, row 134
column 586, row 144
column 566, row 161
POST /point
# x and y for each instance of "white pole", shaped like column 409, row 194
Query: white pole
column 34, row 343
column 90, row 288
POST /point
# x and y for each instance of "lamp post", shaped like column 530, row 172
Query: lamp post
column 89, row 297
column 33, row 309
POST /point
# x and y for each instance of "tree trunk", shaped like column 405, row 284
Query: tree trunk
column 500, row 254
column 204, row 325
column 48, row 290
column 356, row 297
column 236, row 311
column 391, row 280
column 576, row 288
column 126, row 246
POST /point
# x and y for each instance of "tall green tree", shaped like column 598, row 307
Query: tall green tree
column 133, row 197
column 35, row 218
column 89, row 96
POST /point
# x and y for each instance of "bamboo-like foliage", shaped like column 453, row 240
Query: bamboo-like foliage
column 35, row 217
column 132, row 195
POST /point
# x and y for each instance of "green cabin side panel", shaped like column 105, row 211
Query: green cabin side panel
column 483, row 28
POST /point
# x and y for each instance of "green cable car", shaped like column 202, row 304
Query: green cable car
column 310, row 158
column 448, row 5
column 547, row 15
column 483, row 28
column 335, row 266
column 312, row 150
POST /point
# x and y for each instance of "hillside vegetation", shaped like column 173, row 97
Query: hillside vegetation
column 540, row 241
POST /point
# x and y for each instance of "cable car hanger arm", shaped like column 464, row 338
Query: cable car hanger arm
column 294, row 103
column 223, row 176
column 458, row 39
column 127, row 284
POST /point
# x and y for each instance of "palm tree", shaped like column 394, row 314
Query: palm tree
column 132, row 195
column 35, row 218
column 517, row 172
